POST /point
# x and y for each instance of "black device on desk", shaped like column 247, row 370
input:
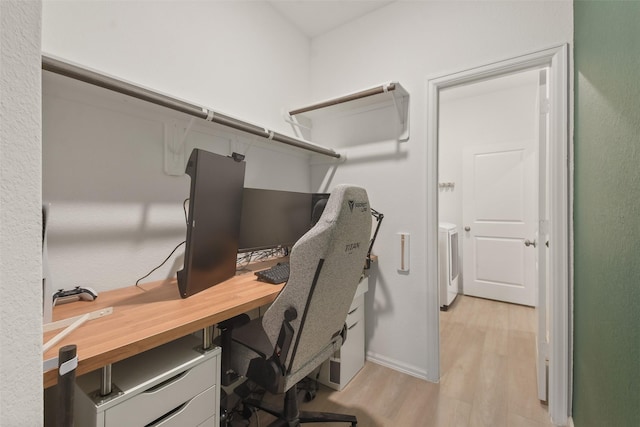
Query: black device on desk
column 275, row 218
column 279, row 273
column 213, row 225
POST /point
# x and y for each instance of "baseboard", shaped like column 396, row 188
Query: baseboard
column 396, row 365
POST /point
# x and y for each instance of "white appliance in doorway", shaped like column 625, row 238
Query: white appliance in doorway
column 449, row 268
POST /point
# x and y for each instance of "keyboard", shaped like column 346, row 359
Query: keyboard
column 279, row 273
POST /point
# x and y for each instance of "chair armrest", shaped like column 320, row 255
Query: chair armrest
column 269, row 373
column 285, row 337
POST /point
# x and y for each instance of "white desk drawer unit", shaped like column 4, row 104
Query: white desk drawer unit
column 174, row 385
column 198, row 408
column 339, row 369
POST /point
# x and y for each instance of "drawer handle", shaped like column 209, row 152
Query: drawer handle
column 167, row 382
column 354, row 325
column 166, row 416
column 354, row 310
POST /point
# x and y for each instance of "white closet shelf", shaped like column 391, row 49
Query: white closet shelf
column 381, row 96
column 77, row 72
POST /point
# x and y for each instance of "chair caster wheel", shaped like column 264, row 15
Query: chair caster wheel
column 246, row 413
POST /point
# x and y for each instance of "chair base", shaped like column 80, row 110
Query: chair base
column 292, row 417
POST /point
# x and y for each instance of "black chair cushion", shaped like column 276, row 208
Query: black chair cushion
column 253, row 336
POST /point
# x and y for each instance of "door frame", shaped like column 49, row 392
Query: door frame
column 560, row 227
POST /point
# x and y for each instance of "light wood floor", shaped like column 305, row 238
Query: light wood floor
column 488, row 377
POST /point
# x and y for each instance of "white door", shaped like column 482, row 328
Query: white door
column 499, row 221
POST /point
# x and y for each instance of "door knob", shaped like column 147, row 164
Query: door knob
column 528, row 243
column 467, row 228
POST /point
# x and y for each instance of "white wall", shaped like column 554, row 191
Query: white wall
column 115, row 214
column 20, row 215
column 241, row 58
column 411, row 42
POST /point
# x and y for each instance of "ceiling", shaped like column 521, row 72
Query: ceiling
column 316, row 17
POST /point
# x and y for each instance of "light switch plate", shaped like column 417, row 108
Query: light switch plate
column 403, row 251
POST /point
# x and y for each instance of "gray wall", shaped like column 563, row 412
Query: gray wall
column 607, row 214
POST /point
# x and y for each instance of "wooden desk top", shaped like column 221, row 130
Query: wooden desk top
column 150, row 315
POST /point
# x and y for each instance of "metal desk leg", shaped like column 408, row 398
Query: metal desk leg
column 105, row 381
column 108, row 390
column 207, row 338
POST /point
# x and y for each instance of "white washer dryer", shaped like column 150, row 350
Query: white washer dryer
column 449, row 263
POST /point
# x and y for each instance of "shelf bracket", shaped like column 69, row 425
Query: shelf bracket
column 402, row 108
column 289, row 119
column 385, row 89
column 302, row 130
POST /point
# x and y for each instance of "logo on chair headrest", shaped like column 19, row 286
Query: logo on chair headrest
column 350, row 247
column 360, row 205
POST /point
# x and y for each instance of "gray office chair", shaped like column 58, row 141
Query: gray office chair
column 305, row 325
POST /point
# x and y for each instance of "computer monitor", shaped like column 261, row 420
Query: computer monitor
column 273, row 218
column 213, row 225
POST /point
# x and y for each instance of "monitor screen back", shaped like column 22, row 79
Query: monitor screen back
column 272, row 218
column 214, row 221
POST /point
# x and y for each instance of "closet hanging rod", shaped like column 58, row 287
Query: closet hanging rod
column 98, row 79
column 347, row 98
